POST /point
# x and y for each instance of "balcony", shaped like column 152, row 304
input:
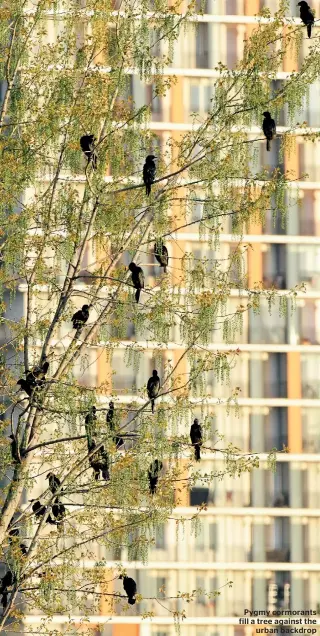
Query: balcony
column 278, row 555
column 278, row 281
column 310, row 278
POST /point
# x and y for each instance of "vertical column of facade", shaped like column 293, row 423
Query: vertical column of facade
column 104, row 371
column 255, row 274
column 295, row 477
column 294, row 375
column 107, row 588
column 178, row 248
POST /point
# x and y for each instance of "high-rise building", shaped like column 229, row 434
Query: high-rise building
column 259, row 531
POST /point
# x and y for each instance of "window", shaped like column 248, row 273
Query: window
column 154, row 100
column 200, row 97
column 202, row 52
column 160, row 537
column 161, row 585
column 199, row 496
column 212, row 536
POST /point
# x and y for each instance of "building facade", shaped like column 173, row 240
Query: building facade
column 259, row 531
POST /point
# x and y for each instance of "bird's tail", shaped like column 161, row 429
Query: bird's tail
column 148, row 189
column 131, row 600
column 152, row 406
column 309, row 27
column 197, row 452
column 152, row 485
column 137, row 295
column 268, row 145
column 165, row 269
column 105, row 475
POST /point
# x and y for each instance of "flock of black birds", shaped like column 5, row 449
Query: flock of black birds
column 98, row 460
column 36, row 378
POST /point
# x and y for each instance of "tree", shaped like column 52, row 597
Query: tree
column 58, row 205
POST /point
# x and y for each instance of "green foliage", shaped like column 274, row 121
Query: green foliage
column 67, row 236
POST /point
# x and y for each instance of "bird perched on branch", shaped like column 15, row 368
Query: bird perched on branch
column 269, row 128
column 153, row 475
column 104, row 463
column 99, row 462
column 161, row 254
column 153, row 388
column 54, row 482
column 38, row 372
column 137, row 277
column 35, row 379
column 15, row 449
column 306, row 16
column 109, row 419
column 149, row 173
column 130, row 588
column 7, row 581
column 80, row 317
column 87, row 146
column 40, row 510
column 58, row 511
column 196, row 438
column 26, row 387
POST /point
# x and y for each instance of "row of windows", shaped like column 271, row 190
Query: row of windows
column 234, row 539
column 293, row 485
column 254, row 375
column 281, row 591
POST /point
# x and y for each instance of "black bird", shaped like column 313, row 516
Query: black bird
column 149, row 173
column 196, row 438
column 104, row 463
column 80, row 317
column 110, row 414
column 26, row 387
column 38, row 372
column 99, row 462
column 153, row 388
column 130, row 588
column 90, row 423
column 40, row 510
column 153, row 475
column 54, row 482
column 14, row 449
column 109, row 419
column 7, row 581
column 306, row 16
column 35, row 379
column 269, row 128
column 161, row 254
column 137, row 279
column 58, row 511
column 95, row 466
column 87, row 146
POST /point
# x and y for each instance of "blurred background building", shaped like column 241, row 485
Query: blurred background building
column 260, row 531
